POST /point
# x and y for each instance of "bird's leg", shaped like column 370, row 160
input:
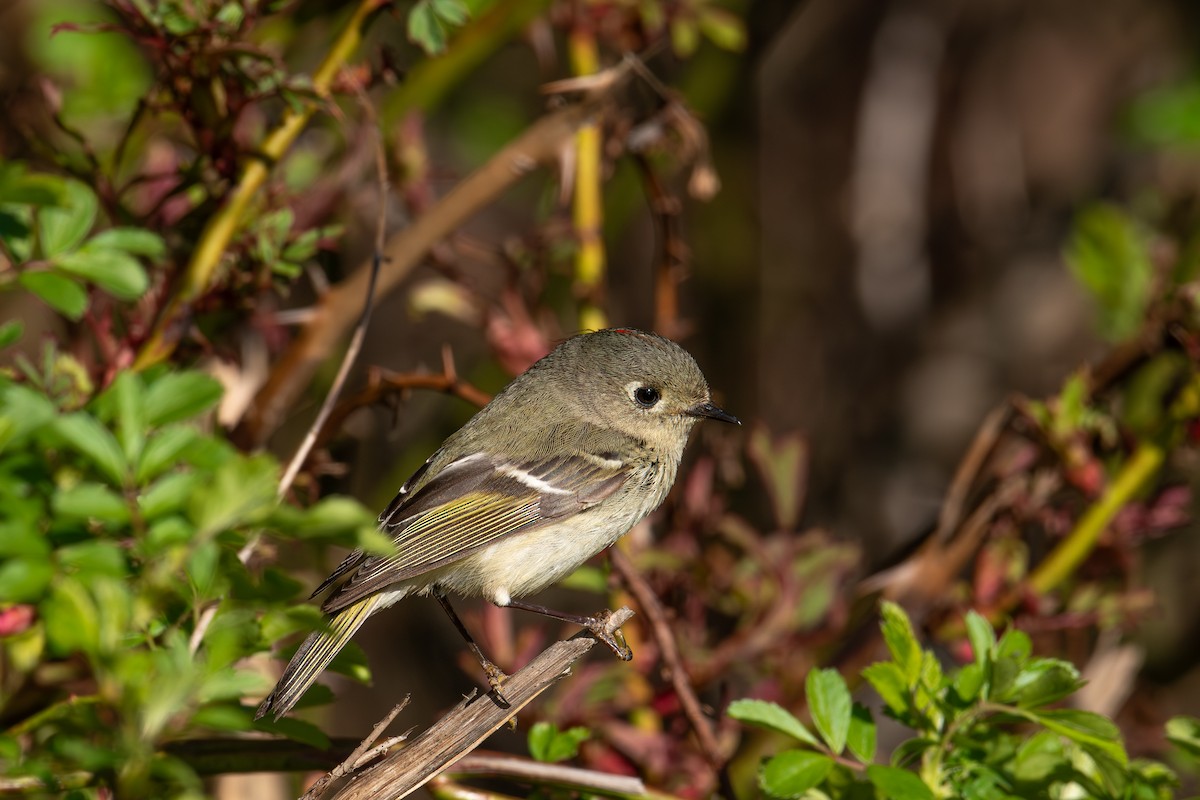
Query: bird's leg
column 495, row 675
column 597, row 625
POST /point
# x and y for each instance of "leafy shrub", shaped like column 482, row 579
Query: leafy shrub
column 990, row 730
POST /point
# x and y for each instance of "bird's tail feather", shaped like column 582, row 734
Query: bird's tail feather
column 314, row 655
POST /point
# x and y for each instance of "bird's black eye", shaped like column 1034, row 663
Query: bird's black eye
column 646, row 396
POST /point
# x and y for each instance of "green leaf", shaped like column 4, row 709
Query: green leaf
column 19, row 188
column 773, row 717
column 898, row 784
column 233, row 684
column 1108, row 253
column 132, row 240
column 168, row 494
column 889, row 682
column 114, row 271
column 829, row 704
column 792, row 773
column 1167, row 115
column 94, row 558
column 901, row 641
column 722, row 28
column 91, row 501
column 968, row 682
column 982, row 638
column 127, row 392
column 451, row 12
column 177, row 396
column 550, row 745
column 1044, row 680
column 351, row 661
column 71, row 618
column 1038, row 757
column 162, row 451
column 1183, row 732
column 223, row 717
column 61, row 293
column 861, row 736
column 62, row 228
column 24, row 580
column 241, row 491
column 425, row 29
column 202, row 566
column 93, row 440
column 11, row 332
column 1084, row 727
column 333, row 516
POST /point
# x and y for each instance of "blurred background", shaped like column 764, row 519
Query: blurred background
column 885, row 262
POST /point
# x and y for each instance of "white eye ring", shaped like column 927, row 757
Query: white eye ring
column 644, row 396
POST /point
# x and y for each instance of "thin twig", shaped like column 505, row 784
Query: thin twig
column 356, row 758
column 543, row 774
column 383, row 383
column 468, row 724
column 660, row 626
column 968, row 469
column 673, row 251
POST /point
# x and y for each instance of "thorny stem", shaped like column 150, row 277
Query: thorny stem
column 221, row 227
column 1134, row 474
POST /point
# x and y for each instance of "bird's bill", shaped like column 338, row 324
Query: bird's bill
column 709, row 411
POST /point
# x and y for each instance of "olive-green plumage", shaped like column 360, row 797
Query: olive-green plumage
column 563, row 462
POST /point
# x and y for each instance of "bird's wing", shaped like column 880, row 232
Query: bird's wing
column 469, row 504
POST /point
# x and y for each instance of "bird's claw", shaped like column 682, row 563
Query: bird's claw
column 496, row 678
column 601, row 627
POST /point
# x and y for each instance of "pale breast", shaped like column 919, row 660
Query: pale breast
column 525, row 563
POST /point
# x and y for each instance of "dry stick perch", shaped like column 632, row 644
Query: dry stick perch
column 541, row 144
column 468, row 724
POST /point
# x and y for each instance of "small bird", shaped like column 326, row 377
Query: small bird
column 559, row 465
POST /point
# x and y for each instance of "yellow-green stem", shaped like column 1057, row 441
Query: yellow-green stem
column 588, row 207
column 221, row 227
column 1131, row 479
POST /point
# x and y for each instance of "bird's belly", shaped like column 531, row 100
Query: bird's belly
column 526, row 563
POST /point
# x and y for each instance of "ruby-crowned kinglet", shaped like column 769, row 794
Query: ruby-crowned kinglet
column 563, row 462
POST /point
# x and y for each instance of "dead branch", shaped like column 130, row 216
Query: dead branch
column 468, row 724
column 365, row 753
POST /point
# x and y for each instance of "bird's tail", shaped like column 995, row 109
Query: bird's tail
column 314, row 655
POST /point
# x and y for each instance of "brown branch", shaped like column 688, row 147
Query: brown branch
column 672, row 660
column 383, row 384
column 541, row 144
column 468, row 724
column 363, row 754
column 982, row 446
column 673, row 251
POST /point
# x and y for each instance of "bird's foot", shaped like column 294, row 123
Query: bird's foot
column 606, row 627
column 496, row 678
